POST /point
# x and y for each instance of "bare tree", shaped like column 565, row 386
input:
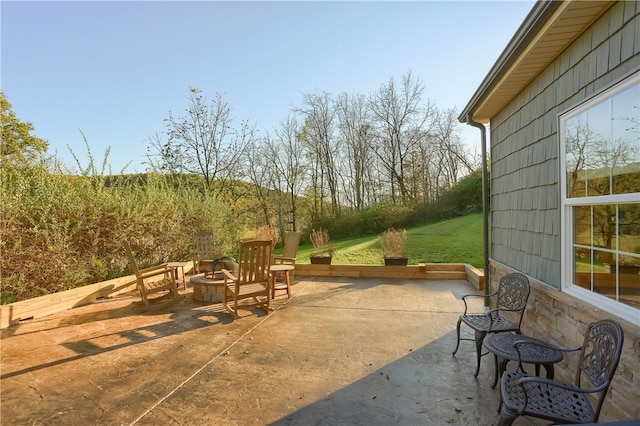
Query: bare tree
column 163, row 156
column 319, row 114
column 259, row 160
column 449, row 146
column 203, row 142
column 401, row 121
column 430, row 173
column 579, row 140
column 356, row 132
column 288, row 159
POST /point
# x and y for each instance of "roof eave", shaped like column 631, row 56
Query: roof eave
column 506, row 79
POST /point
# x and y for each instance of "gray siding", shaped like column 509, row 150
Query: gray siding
column 525, row 190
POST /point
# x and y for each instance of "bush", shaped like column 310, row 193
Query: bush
column 60, row 232
column 464, row 198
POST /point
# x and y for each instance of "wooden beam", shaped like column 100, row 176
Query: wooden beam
column 38, row 307
column 424, row 271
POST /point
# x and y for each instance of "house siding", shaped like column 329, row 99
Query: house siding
column 525, row 195
column 525, row 180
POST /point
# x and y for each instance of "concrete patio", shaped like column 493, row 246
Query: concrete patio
column 341, row 351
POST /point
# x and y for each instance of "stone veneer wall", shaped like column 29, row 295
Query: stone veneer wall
column 562, row 319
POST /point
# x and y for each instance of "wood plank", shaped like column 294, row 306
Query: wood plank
column 475, row 277
column 38, row 307
column 453, row 271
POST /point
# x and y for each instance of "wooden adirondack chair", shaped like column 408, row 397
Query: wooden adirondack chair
column 252, row 280
column 290, row 250
column 154, row 279
column 204, row 251
column 288, row 257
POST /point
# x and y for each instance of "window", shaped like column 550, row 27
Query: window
column 600, row 157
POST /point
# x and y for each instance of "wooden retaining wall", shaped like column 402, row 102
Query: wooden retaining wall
column 49, row 304
column 423, row 271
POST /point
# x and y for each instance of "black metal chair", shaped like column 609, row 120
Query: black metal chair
column 524, row 395
column 511, row 296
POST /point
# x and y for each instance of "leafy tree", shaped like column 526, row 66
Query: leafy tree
column 17, row 144
column 464, row 197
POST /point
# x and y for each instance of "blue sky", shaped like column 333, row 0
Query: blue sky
column 115, row 69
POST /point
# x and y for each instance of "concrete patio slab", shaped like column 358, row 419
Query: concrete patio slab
column 341, row 351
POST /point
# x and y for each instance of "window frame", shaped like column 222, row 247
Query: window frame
column 567, row 262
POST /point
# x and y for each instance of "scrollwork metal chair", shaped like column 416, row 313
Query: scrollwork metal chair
column 524, row 395
column 511, row 296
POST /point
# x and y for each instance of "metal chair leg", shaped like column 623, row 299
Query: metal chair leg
column 479, row 339
column 458, row 334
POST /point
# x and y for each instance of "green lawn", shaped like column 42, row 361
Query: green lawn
column 456, row 240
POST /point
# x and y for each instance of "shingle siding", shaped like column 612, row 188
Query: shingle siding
column 525, row 187
column 525, row 179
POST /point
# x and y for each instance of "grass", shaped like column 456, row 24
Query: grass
column 456, row 240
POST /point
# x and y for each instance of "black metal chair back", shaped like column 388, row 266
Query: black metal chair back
column 559, row 402
column 513, row 294
column 599, row 357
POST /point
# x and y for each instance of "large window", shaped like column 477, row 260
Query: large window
column 600, row 156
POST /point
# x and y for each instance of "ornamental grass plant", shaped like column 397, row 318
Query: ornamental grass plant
column 320, row 241
column 270, row 233
column 393, row 242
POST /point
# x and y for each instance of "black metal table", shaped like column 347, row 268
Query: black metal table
column 501, row 346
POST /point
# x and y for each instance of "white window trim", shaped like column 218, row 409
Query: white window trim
column 621, row 310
